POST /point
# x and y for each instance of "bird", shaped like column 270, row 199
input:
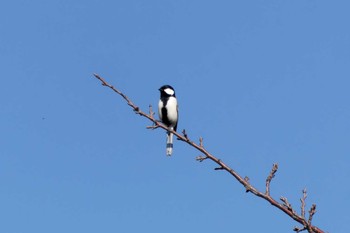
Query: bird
column 168, row 113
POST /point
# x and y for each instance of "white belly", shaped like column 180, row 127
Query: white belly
column 172, row 110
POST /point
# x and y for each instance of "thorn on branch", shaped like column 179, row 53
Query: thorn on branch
column 298, row 229
column 270, row 177
column 201, row 158
column 221, row 167
column 185, row 134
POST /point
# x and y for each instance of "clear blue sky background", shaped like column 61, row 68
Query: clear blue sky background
column 261, row 81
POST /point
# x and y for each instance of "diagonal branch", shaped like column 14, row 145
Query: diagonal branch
column 284, row 206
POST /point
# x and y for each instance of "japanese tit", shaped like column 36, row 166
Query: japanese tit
column 168, row 113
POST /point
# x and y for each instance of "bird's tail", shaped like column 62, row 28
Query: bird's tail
column 169, row 144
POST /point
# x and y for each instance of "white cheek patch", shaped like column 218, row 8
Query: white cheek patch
column 169, row 91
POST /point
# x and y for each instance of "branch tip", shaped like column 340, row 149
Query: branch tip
column 270, row 177
column 312, row 211
column 201, row 158
column 151, row 113
column 298, row 229
column 303, row 203
column 152, row 127
column 200, row 141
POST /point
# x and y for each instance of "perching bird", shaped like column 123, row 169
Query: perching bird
column 168, row 113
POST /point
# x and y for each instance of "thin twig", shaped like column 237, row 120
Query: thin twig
column 299, row 229
column 312, row 211
column 303, row 203
column 152, row 127
column 200, row 141
column 284, row 206
column 201, row 158
column 270, row 177
column 286, row 203
column 151, row 111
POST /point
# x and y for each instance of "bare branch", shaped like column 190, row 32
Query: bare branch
column 151, row 113
column 312, row 211
column 200, row 141
column 285, row 206
column 303, row 203
column 270, row 177
column 286, row 203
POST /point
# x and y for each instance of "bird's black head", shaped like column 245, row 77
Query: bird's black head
column 166, row 91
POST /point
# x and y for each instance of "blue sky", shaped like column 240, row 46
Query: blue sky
column 260, row 81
